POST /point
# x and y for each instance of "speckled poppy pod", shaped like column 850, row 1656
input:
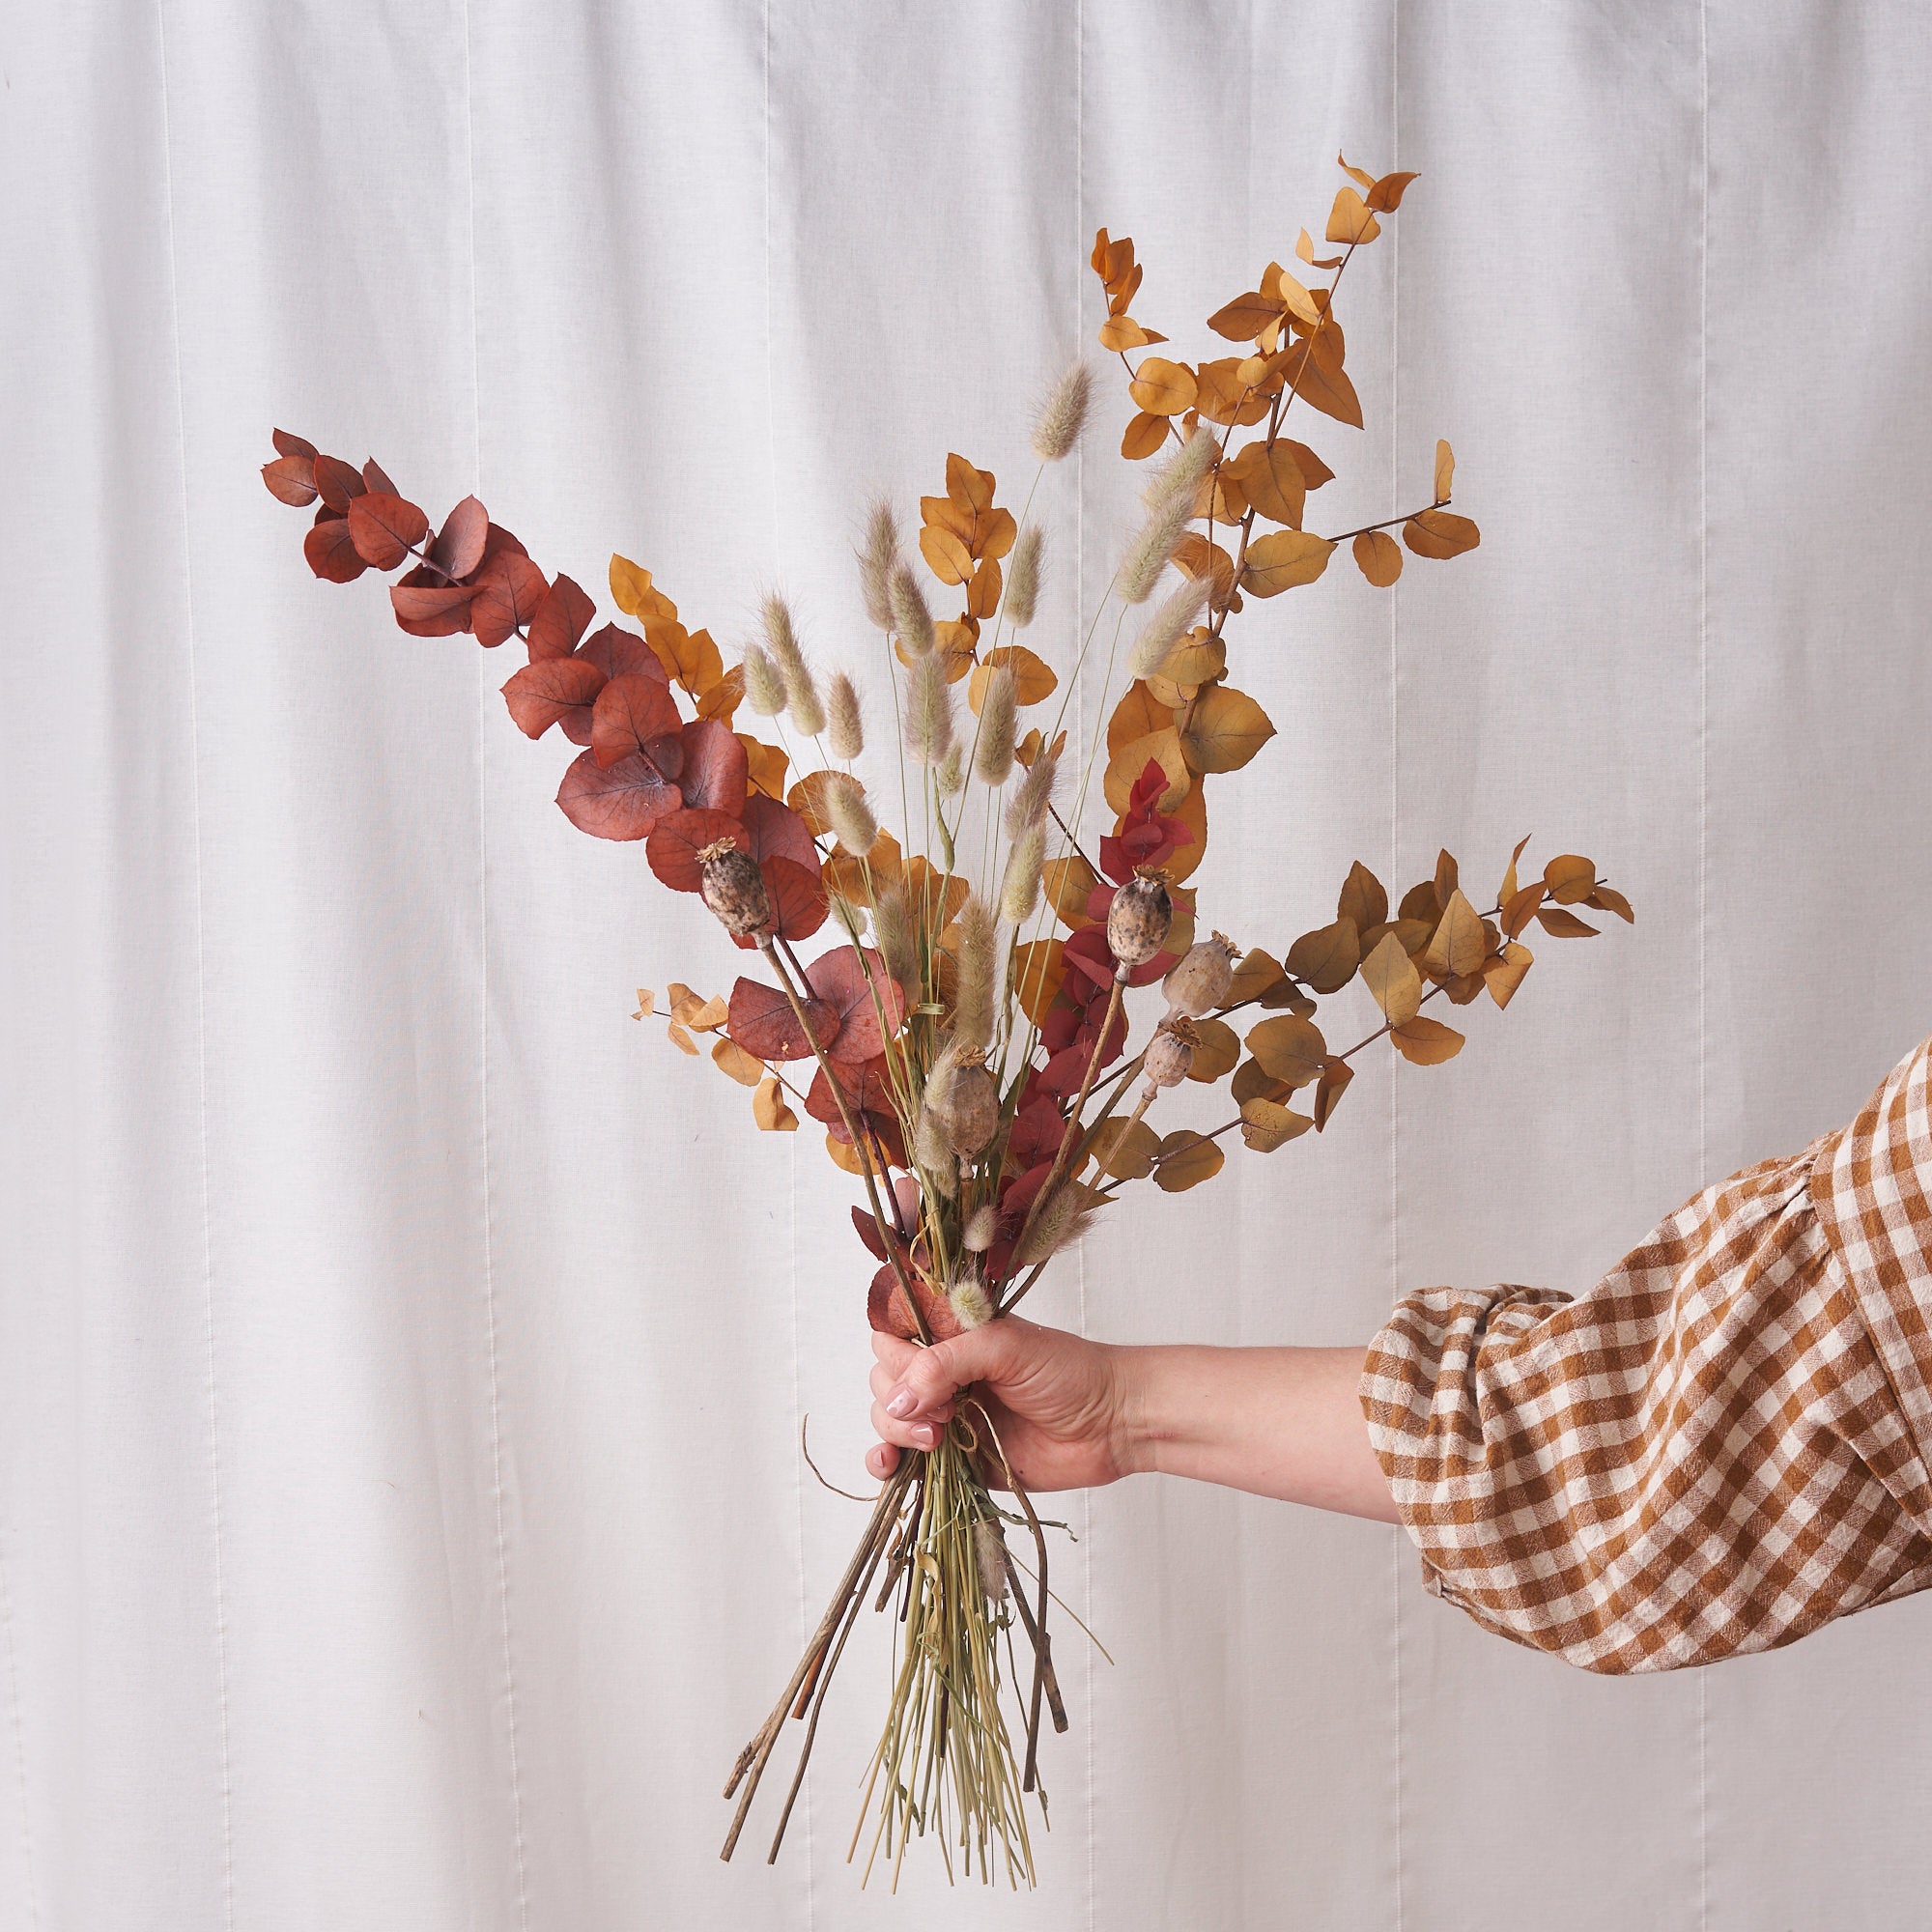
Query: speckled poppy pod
column 731, row 884
column 1138, row 919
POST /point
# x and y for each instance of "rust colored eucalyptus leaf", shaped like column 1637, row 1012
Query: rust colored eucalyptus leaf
column 798, row 898
column 376, row 479
column 871, row 1007
column 775, row 831
column 631, row 713
column 679, row 836
column 763, row 1023
column 332, row 554
column 291, row 479
column 338, row 483
column 620, row 653
column 559, row 620
column 546, row 693
column 887, row 1309
column 626, row 801
column 384, row 528
column 458, row 549
column 287, row 443
column 716, row 768
column 426, row 606
column 508, row 590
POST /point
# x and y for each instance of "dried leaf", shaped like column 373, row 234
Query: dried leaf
column 1445, row 471
column 1385, row 196
column 1571, row 878
column 1032, row 678
column 1517, row 908
column 631, row 589
column 768, row 1104
column 1144, row 436
column 630, row 714
column 763, row 1023
column 1350, row 219
column 1504, row 974
column 1508, row 885
column 1379, row 558
column 332, row 554
column 1270, row 477
column 1425, row 1042
column 1038, row 967
column 1289, row 1049
column 798, row 902
column 868, row 1000
column 1069, row 884
column 508, row 590
column 560, row 620
column 949, row 559
column 967, row 486
column 1129, row 764
column 1266, row 1125
column 1561, row 924
column 1244, row 318
column 1186, row 1159
column 1460, row 943
column 1440, row 533
column 717, row 772
column 1163, row 389
column 1227, row 727
column 1284, row 559
column 681, row 1039
column 1391, row 978
column 291, row 479
column 337, row 483
column 426, row 609
column 1216, row 1053
column 1125, row 1149
column 678, row 838
column 1255, row 973
column 693, row 1010
column 1606, row 899
column 1329, row 1089
column 1322, row 385
column 553, row 689
column 1326, row 959
column 626, row 801
column 1362, row 898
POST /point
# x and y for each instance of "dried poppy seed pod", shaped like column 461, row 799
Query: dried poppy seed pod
column 967, row 1294
column 1170, row 1054
column 981, row 1229
column 1199, row 980
column 731, row 884
column 989, row 1555
column 1138, row 919
column 964, row 1102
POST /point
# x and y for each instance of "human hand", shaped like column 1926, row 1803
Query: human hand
column 1058, row 1403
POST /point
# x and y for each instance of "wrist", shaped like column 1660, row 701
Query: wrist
column 1142, row 1425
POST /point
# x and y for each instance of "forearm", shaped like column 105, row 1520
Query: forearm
column 1278, row 1422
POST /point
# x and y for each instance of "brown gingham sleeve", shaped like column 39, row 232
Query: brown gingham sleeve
column 1721, row 1446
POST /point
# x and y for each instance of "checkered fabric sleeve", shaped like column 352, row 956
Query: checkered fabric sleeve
column 1721, row 1446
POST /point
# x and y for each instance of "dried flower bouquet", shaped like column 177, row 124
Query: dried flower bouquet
column 967, row 1037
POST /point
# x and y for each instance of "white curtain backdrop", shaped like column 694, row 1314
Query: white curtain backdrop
column 402, row 1351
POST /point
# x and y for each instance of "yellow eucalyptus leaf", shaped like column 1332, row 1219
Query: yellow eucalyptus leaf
column 1144, row 436
column 1326, row 959
column 1425, row 1042
column 1123, row 769
column 747, row 1068
column 1033, row 677
column 1125, row 1149
column 1504, row 974
column 949, row 559
column 1163, row 389
column 1350, row 219
column 1460, row 943
column 1186, row 1159
column 1571, row 878
column 1138, row 713
column 1266, row 1125
column 1378, row 556
column 1445, row 471
column 1216, row 1053
column 1289, row 1048
column 1440, row 533
column 1392, row 981
column 1225, row 730
column 1283, row 560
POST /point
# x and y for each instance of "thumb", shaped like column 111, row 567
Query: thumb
column 935, row 1375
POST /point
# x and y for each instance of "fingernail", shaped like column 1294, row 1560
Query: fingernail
column 901, row 1404
column 925, row 1436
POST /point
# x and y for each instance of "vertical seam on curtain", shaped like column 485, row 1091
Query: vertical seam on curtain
column 201, row 999
column 19, row 1747
column 1398, row 1539
column 1703, row 808
column 1079, row 582
column 518, row 1841
column 791, row 1164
